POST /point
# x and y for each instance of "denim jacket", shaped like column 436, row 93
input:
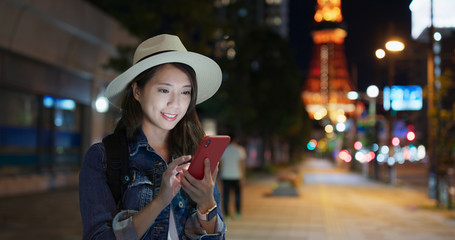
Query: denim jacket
column 101, row 217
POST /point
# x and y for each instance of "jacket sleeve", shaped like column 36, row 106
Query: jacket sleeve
column 99, row 213
column 194, row 230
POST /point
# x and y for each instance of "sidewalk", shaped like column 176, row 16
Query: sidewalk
column 331, row 204
column 337, row 204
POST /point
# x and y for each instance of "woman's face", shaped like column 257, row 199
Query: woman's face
column 164, row 99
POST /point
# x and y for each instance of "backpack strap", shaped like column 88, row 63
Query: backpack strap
column 117, row 157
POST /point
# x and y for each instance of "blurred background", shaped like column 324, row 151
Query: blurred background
column 365, row 84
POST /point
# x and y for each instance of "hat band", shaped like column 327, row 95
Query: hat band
column 154, row 54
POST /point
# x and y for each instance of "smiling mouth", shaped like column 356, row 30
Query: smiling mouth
column 169, row 117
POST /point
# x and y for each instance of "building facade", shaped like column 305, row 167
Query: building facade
column 51, row 72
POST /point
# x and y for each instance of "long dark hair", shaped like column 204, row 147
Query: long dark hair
column 184, row 138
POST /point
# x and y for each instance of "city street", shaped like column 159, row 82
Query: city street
column 361, row 88
column 332, row 203
column 337, row 204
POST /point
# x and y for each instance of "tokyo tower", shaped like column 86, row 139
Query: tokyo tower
column 328, row 82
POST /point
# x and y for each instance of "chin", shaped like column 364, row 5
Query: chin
column 169, row 126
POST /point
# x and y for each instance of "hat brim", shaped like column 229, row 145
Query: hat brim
column 208, row 74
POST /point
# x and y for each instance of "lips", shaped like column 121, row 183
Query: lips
column 169, row 117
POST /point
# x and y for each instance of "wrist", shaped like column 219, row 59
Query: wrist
column 208, row 214
column 205, row 206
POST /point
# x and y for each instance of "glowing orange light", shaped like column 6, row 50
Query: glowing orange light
column 329, row 35
column 329, row 11
column 328, row 67
column 394, row 46
column 318, row 17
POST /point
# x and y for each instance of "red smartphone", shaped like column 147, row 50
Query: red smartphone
column 211, row 147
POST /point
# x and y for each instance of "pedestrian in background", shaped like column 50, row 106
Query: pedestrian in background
column 158, row 97
column 232, row 175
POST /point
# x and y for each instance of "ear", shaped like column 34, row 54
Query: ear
column 136, row 91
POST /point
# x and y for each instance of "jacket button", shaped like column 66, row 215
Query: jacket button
column 181, row 204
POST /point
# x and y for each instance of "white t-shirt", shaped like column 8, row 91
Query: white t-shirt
column 172, row 232
column 230, row 165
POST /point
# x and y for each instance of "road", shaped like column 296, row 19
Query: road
column 332, row 203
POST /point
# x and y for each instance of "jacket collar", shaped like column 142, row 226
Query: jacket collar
column 140, row 140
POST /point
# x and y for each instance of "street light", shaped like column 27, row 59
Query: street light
column 380, row 53
column 353, row 95
column 372, row 93
column 393, row 46
column 101, row 104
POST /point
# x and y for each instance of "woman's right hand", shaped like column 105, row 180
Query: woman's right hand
column 170, row 186
column 170, row 182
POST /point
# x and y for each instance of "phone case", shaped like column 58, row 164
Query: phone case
column 211, row 147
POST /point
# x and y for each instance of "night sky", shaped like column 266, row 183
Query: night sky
column 368, row 23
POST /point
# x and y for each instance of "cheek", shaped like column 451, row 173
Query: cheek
column 184, row 111
column 155, row 100
column 187, row 104
column 150, row 105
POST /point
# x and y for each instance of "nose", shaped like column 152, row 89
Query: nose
column 173, row 99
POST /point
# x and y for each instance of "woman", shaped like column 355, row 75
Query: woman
column 157, row 96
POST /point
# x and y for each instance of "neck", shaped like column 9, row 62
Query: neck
column 157, row 139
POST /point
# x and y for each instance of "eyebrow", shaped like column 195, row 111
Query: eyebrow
column 168, row 84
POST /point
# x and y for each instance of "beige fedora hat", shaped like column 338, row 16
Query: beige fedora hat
column 162, row 49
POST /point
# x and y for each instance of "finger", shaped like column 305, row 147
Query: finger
column 190, row 177
column 174, row 167
column 215, row 173
column 183, row 167
column 207, row 170
column 186, row 184
column 178, row 179
column 179, row 161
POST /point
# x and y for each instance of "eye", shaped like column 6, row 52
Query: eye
column 186, row 92
column 162, row 90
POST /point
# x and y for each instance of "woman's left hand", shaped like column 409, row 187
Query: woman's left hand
column 201, row 191
column 170, row 183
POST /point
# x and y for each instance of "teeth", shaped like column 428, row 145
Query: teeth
column 170, row 115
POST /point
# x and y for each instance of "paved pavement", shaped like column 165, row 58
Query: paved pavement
column 331, row 204
column 337, row 204
column 52, row 215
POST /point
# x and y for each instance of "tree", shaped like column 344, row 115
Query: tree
column 195, row 22
column 260, row 94
column 444, row 115
column 262, row 85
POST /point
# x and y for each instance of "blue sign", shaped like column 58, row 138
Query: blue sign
column 403, row 98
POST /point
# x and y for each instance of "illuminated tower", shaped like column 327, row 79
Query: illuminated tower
column 325, row 90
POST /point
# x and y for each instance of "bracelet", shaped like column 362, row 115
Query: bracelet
column 209, row 214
